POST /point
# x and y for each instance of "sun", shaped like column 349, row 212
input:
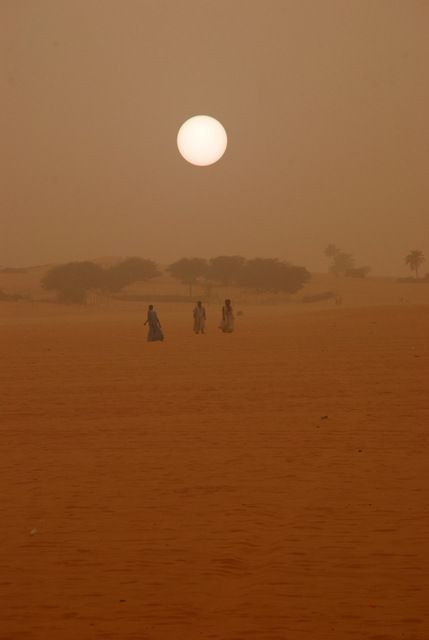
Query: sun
column 202, row 140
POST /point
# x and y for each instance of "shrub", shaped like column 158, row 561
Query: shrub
column 129, row 271
column 72, row 281
column 225, row 270
column 270, row 274
column 188, row 271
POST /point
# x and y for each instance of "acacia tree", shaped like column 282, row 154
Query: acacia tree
column 415, row 260
column 271, row 274
column 188, row 271
column 225, row 270
column 331, row 250
column 129, row 271
column 342, row 263
column 74, row 280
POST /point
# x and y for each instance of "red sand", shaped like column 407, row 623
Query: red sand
column 191, row 489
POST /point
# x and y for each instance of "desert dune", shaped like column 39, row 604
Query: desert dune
column 267, row 484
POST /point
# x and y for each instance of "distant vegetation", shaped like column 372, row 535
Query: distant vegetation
column 73, row 281
column 344, row 263
column 270, row 274
column 189, row 271
column 129, row 271
column 414, row 260
column 226, row 270
column 259, row 274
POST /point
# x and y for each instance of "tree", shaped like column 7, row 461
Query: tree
column 270, row 274
column 225, row 270
column 72, row 281
column 415, row 260
column 188, row 271
column 129, row 271
column 342, row 262
column 331, row 250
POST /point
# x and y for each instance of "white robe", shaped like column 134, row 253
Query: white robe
column 199, row 319
column 227, row 322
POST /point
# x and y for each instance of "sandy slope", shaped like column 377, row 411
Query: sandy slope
column 190, row 490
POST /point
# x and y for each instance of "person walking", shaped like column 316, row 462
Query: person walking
column 199, row 317
column 227, row 322
column 155, row 331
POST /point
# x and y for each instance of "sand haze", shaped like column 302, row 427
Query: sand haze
column 196, row 449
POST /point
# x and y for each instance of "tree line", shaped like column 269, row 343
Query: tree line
column 73, row 281
column 260, row 274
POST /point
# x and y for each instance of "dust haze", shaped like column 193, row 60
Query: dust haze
column 325, row 105
column 213, row 380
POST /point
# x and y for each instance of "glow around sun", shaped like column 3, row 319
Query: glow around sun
column 202, row 140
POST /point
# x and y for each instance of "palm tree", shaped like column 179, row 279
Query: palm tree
column 415, row 260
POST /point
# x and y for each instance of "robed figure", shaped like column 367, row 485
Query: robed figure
column 199, row 318
column 227, row 322
column 154, row 325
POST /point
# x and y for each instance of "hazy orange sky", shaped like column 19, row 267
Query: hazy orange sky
column 326, row 105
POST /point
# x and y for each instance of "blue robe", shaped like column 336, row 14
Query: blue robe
column 155, row 332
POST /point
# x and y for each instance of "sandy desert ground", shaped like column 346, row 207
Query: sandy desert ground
column 269, row 484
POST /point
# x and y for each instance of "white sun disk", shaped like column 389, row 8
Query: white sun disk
column 202, row 140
